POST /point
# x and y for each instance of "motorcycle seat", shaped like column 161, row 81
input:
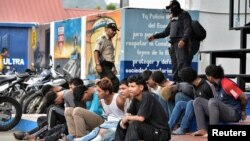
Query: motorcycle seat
column 7, row 79
column 22, row 75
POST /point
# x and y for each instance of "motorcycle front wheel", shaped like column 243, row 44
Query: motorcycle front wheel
column 10, row 113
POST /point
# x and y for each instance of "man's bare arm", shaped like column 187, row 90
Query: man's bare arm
column 97, row 57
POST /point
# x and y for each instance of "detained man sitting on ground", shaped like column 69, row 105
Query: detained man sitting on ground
column 108, row 134
column 229, row 105
column 203, row 89
column 152, row 86
column 86, row 113
column 113, row 108
column 172, row 92
column 56, row 99
column 142, row 121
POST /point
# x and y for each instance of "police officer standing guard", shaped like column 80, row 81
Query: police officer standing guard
column 104, row 55
column 179, row 31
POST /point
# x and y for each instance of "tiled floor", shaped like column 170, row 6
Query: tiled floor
column 187, row 138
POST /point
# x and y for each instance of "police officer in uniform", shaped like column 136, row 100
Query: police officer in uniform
column 179, row 30
column 104, row 55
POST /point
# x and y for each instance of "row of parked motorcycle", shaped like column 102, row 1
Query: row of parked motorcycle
column 21, row 93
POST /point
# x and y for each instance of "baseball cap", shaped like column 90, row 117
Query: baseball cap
column 173, row 3
column 112, row 26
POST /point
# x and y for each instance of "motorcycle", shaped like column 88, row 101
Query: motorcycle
column 36, row 103
column 10, row 109
column 35, row 83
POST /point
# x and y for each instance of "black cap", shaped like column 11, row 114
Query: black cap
column 173, row 3
column 112, row 26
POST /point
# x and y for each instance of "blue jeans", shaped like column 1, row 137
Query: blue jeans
column 94, row 132
column 168, row 106
column 90, row 135
column 189, row 116
column 180, row 96
column 109, row 124
column 176, row 117
column 109, row 135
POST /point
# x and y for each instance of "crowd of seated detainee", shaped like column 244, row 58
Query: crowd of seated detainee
column 147, row 106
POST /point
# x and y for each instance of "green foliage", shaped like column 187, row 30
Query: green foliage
column 111, row 6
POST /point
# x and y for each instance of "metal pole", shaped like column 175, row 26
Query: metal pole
column 245, row 12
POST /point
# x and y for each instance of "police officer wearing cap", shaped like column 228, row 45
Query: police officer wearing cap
column 179, row 30
column 105, row 57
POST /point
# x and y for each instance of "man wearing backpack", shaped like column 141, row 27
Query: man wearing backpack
column 179, row 30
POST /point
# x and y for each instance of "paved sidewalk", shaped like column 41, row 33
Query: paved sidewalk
column 187, row 138
column 7, row 136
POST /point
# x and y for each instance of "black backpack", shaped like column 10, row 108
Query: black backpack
column 198, row 31
column 198, row 35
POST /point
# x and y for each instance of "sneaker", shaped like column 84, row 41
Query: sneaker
column 179, row 131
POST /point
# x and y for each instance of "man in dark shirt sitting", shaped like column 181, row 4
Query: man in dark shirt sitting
column 145, row 118
column 202, row 88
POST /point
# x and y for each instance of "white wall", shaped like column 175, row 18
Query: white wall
column 155, row 4
column 192, row 5
column 214, row 16
column 219, row 37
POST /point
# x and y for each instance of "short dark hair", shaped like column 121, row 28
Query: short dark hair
column 146, row 75
column 78, row 93
column 50, row 98
column 65, row 85
column 138, row 80
column 158, row 77
column 76, row 81
column 4, row 50
column 214, row 71
column 46, row 88
column 124, row 81
column 188, row 74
